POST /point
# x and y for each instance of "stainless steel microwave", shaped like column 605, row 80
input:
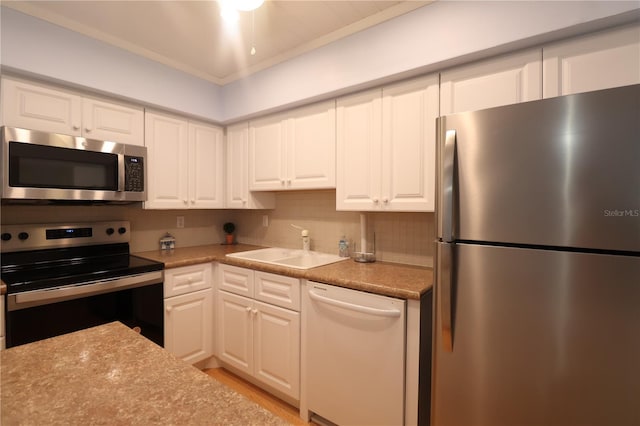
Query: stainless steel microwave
column 39, row 166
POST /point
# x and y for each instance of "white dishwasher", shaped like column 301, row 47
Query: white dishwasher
column 354, row 349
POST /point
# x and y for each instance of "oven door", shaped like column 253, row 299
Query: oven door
column 136, row 301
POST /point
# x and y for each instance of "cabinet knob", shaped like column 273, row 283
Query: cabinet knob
column 193, row 201
column 375, row 200
column 88, row 130
column 75, row 127
column 282, row 182
column 385, row 200
column 248, row 309
column 185, row 201
column 288, row 181
column 254, row 311
column 169, row 309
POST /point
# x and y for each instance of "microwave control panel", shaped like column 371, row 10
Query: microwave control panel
column 133, row 174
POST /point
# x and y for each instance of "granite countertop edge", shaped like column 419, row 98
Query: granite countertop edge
column 384, row 278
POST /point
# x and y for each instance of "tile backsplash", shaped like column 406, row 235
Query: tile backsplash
column 400, row 237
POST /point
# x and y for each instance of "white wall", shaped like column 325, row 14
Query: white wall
column 33, row 46
column 431, row 37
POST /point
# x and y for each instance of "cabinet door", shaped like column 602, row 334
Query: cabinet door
column 206, row 166
column 359, row 137
column 277, row 348
column 112, row 122
column 277, row 289
column 166, row 140
column 409, row 112
column 35, row 107
column 236, row 280
column 311, row 147
column 267, row 144
column 237, row 167
column 597, row 61
column 235, row 331
column 493, row 82
column 187, row 279
column 188, row 325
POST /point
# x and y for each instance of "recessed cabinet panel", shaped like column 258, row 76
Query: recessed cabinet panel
column 277, row 348
column 311, row 148
column 278, row 290
column 238, row 195
column 206, row 154
column 188, row 325
column 187, row 279
column 36, row 106
column 267, row 143
column 236, row 280
column 293, row 150
column 112, row 122
column 186, row 163
column 409, row 128
column 359, row 138
column 166, row 141
column 597, row 61
column 386, row 147
column 493, row 82
column 235, row 331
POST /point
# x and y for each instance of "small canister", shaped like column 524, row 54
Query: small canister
column 167, row 242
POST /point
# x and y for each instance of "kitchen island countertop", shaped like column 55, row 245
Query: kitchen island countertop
column 110, row 375
column 387, row 279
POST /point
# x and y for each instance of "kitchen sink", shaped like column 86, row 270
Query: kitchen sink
column 291, row 258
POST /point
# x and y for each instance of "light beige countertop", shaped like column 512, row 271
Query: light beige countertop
column 387, row 279
column 110, row 375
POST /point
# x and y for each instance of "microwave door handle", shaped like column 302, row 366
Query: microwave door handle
column 121, row 173
column 447, row 192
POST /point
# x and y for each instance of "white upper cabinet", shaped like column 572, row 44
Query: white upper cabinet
column 206, row 166
column 503, row 80
column 386, row 147
column 293, row 150
column 185, row 163
column 238, row 195
column 39, row 107
column 597, row 61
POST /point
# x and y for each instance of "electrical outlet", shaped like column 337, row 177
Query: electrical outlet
column 180, row 222
column 265, row 220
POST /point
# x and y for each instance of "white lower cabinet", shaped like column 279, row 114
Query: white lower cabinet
column 260, row 339
column 188, row 312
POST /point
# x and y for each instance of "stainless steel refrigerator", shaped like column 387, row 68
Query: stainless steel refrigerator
column 537, row 318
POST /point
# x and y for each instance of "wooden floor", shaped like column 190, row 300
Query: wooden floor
column 257, row 395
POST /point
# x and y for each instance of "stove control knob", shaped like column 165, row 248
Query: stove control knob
column 6, row 236
column 122, row 230
column 110, row 231
column 23, row 236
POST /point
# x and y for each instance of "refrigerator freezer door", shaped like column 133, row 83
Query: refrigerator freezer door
column 558, row 172
column 539, row 338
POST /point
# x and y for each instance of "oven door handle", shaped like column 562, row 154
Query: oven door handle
column 59, row 294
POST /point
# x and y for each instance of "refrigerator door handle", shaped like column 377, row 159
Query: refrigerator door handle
column 444, row 283
column 447, row 193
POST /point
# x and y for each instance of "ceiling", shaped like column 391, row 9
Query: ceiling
column 192, row 37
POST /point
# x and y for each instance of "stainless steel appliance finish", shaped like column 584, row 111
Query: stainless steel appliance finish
column 538, row 263
column 39, row 167
column 63, row 278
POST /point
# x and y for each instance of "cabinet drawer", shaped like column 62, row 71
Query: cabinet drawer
column 187, row 279
column 278, row 290
column 236, row 280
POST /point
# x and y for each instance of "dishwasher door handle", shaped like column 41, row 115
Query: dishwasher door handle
column 353, row 307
